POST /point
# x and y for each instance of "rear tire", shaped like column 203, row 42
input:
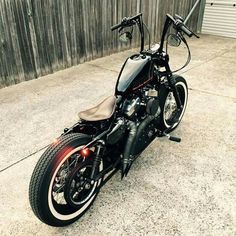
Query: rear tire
column 170, row 119
column 49, row 175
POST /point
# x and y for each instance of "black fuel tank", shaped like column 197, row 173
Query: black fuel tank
column 135, row 72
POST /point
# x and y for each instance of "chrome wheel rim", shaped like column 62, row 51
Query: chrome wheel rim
column 170, row 107
column 171, row 114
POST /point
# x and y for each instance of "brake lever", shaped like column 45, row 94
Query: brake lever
column 198, row 37
column 125, row 20
column 178, row 17
column 120, row 29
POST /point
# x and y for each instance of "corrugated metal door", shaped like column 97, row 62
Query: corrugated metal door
column 220, row 18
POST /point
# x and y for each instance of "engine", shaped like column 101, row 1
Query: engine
column 139, row 106
column 131, row 107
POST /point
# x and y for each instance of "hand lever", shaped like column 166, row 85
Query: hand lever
column 179, row 17
column 196, row 35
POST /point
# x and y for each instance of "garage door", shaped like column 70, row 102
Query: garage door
column 220, row 18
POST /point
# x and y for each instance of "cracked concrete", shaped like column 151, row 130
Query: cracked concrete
column 172, row 189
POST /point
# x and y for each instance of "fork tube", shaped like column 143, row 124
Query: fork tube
column 171, row 81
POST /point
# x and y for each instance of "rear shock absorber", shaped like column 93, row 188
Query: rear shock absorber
column 97, row 160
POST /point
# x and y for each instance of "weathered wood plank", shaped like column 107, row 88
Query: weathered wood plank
column 22, row 24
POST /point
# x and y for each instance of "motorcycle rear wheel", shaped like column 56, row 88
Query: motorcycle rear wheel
column 50, row 176
column 170, row 117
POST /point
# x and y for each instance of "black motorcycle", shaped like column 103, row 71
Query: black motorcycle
column 149, row 102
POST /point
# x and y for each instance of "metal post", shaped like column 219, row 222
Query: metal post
column 200, row 16
column 191, row 12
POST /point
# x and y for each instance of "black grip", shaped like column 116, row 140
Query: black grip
column 186, row 30
column 126, row 21
column 135, row 17
column 175, row 139
column 114, row 27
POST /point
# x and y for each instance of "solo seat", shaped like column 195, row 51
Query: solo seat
column 102, row 111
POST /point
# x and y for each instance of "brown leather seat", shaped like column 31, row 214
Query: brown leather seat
column 102, row 111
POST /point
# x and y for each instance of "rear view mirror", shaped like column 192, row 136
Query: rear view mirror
column 125, row 37
column 173, row 40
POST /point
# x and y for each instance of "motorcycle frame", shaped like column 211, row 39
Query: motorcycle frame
column 161, row 59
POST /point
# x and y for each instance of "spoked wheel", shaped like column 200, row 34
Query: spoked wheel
column 170, row 114
column 59, row 190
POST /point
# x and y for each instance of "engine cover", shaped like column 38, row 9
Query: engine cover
column 117, row 132
column 152, row 106
column 144, row 138
column 131, row 107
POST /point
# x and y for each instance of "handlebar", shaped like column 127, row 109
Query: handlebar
column 177, row 22
column 186, row 30
column 126, row 21
column 180, row 26
column 136, row 17
column 114, row 27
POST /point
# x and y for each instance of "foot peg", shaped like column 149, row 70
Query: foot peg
column 172, row 138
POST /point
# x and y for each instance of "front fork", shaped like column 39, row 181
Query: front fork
column 175, row 91
column 172, row 82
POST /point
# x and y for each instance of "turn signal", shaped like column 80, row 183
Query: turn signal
column 55, row 141
column 85, row 152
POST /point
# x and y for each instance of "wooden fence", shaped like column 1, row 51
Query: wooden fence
column 38, row 37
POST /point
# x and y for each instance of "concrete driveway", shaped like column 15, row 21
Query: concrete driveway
column 172, row 189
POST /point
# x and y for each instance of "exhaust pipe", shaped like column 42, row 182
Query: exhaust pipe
column 131, row 143
column 128, row 148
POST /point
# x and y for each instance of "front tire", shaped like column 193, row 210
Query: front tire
column 170, row 117
column 49, row 180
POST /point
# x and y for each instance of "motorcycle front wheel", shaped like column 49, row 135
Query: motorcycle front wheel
column 58, row 191
column 170, row 116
